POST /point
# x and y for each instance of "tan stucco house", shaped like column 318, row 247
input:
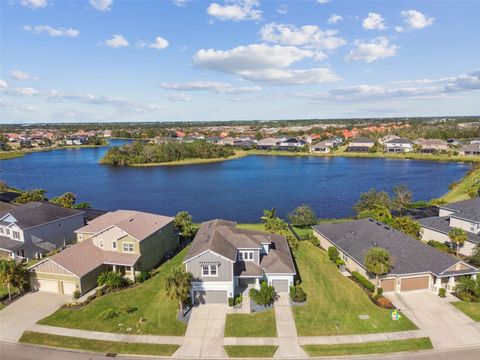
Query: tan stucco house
column 123, row 240
column 416, row 266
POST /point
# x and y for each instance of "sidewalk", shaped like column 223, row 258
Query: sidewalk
column 362, row 338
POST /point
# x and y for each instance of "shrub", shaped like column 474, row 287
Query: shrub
column 443, row 247
column 297, row 294
column 109, row 313
column 76, row 294
column 265, row 296
column 363, row 281
column 383, row 302
column 292, row 242
column 339, row 262
column 442, row 292
column 238, row 299
column 379, row 291
column 143, row 276
column 332, row 253
column 231, row 301
column 313, row 240
column 111, row 279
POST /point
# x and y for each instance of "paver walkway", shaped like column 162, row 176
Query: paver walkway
column 288, row 345
column 26, row 311
column 99, row 335
column 446, row 326
column 204, row 336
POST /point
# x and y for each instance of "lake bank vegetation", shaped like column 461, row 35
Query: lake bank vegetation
column 141, row 153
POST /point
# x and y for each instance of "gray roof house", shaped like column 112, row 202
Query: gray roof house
column 32, row 230
column 463, row 214
column 226, row 260
column 415, row 265
column 361, row 144
column 398, row 145
column 470, row 149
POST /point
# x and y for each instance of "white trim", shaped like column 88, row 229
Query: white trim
column 206, row 251
column 209, row 267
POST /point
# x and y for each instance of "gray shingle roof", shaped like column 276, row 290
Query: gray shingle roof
column 398, row 141
column 37, row 213
column 466, row 209
column 442, row 224
column 409, row 256
column 9, row 244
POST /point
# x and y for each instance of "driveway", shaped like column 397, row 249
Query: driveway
column 446, row 326
column 205, row 332
column 26, row 311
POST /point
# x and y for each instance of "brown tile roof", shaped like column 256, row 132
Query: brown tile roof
column 137, row 224
column 84, row 257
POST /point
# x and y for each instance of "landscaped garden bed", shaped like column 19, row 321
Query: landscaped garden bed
column 250, row 351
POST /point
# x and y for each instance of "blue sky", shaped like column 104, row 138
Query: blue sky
column 112, row 60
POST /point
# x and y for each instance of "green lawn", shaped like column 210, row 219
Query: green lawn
column 460, row 191
column 158, row 311
column 256, row 227
column 334, row 302
column 101, row 346
column 471, row 309
column 260, row 324
column 379, row 347
column 250, row 351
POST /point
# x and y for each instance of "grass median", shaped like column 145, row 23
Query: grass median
column 261, row 324
column 250, row 351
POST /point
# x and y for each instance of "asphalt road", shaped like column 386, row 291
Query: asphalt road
column 11, row 351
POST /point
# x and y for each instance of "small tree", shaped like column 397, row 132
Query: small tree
column 371, row 198
column 379, row 213
column 3, row 186
column 474, row 190
column 378, row 262
column 66, row 200
column 12, row 275
column 31, row 195
column 407, row 225
column 402, row 198
column 457, row 237
column 184, row 225
column 111, row 279
column 178, row 285
column 272, row 223
column 303, row 216
column 265, row 296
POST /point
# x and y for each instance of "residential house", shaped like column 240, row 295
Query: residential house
column 431, row 145
column 463, row 214
column 387, row 138
column 291, row 144
column 269, row 143
column 226, row 260
column 227, row 141
column 361, row 144
column 326, row 146
column 416, row 266
column 398, row 146
column 125, row 241
column 470, row 149
column 32, row 230
column 245, row 144
column 475, row 141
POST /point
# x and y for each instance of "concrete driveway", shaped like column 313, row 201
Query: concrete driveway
column 205, row 332
column 26, row 311
column 446, row 326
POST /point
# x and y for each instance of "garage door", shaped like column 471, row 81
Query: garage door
column 417, row 283
column 210, row 297
column 46, row 285
column 388, row 285
column 69, row 287
column 280, row 285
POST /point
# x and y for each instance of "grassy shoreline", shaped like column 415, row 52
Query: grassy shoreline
column 14, row 154
column 238, row 155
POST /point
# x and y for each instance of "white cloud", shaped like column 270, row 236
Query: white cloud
column 416, row 20
column 334, row 18
column 323, row 1
column 3, row 84
column 375, row 49
column 217, row 87
column 102, row 5
column 180, row 3
column 159, row 44
column 308, row 35
column 264, row 63
column 34, row 4
column 116, row 41
column 178, row 97
column 282, row 9
column 21, row 75
column 236, row 10
column 51, row 31
column 374, row 21
column 399, row 28
column 26, row 91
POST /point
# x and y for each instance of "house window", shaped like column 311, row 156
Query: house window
column 16, row 235
column 128, row 247
column 114, row 244
column 7, row 231
column 245, row 255
column 209, row 270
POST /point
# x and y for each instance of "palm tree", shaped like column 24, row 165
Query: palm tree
column 12, row 274
column 378, row 262
column 269, row 215
column 178, row 285
column 458, row 237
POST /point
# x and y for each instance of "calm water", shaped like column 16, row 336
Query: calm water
column 236, row 190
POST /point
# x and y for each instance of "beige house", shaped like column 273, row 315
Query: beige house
column 125, row 241
column 431, row 145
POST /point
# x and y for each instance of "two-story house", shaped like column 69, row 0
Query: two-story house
column 463, row 214
column 226, row 260
column 398, row 146
column 361, row 144
column 32, row 230
column 125, row 241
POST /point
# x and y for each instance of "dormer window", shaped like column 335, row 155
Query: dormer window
column 16, row 235
column 245, row 255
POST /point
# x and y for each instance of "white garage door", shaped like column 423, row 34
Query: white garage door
column 280, row 285
column 69, row 287
column 46, row 285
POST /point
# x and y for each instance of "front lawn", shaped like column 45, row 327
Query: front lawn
column 158, row 312
column 250, row 351
column 471, row 309
column 102, row 346
column 261, row 324
column 334, row 302
column 378, row 347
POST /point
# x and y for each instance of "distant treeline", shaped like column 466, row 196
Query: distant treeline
column 146, row 153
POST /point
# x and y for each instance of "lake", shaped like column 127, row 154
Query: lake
column 235, row 190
